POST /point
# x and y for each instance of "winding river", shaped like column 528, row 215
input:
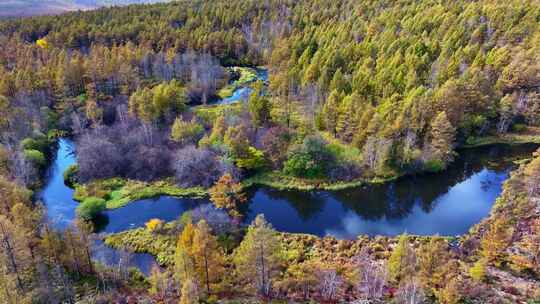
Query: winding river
column 447, row 203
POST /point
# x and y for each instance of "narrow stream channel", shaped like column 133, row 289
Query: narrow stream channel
column 58, row 199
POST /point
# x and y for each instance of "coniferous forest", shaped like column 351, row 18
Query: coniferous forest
column 214, row 103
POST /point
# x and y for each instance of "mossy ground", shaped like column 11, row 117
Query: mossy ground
column 161, row 245
column 530, row 135
column 119, row 192
column 209, row 113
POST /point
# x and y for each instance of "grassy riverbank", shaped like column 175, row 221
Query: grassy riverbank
column 281, row 181
column 530, row 135
column 509, row 263
column 119, row 192
column 297, row 246
column 161, row 244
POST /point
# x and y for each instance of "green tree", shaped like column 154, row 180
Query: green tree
column 442, row 137
column 90, row 208
column 402, row 262
column 347, row 118
column 259, row 107
column 330, row 112
column 185, row 132
column 258, row 258
column 478, row 270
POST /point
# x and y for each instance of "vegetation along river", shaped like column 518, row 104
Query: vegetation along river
column 447, row 203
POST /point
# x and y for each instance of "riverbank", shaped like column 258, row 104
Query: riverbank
column 528, row 136
column 246, row 76
column 297, row 246
column 506, row 242
column 118, row 192
column 280, row 181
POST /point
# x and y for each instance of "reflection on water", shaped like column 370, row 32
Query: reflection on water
column 58, row 199
column 447, row 204
column 136, row 214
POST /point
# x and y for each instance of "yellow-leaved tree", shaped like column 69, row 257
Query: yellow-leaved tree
column 207, row 255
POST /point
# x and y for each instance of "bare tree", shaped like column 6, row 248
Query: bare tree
column 217, row 219
column 9, row 251
column 330, row 284
column 23, row 170
column 372, row 276
column 205, row 73
column 410, row 292
column 197, row 167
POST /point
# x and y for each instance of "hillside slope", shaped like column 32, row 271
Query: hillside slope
column 27, row 8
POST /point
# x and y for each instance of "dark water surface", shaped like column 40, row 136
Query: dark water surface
column 58, row 199
column 447, row 203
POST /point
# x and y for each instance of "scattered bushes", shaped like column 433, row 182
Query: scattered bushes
column 70, row 175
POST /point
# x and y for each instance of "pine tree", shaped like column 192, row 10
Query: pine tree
column 184, row 262
column 185, row 132
column 207, row 256
column 432, row 257
column 93, row 111
column 339, row 83
column 478, row 270
column 496, row 240
column 442, row 136
column 259, row 107
column 190, row 294
column 347, row 119
column 258, row 257
column 402, row 262
column 331, row 112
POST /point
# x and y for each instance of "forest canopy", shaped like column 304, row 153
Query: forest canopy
column 339, row 93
